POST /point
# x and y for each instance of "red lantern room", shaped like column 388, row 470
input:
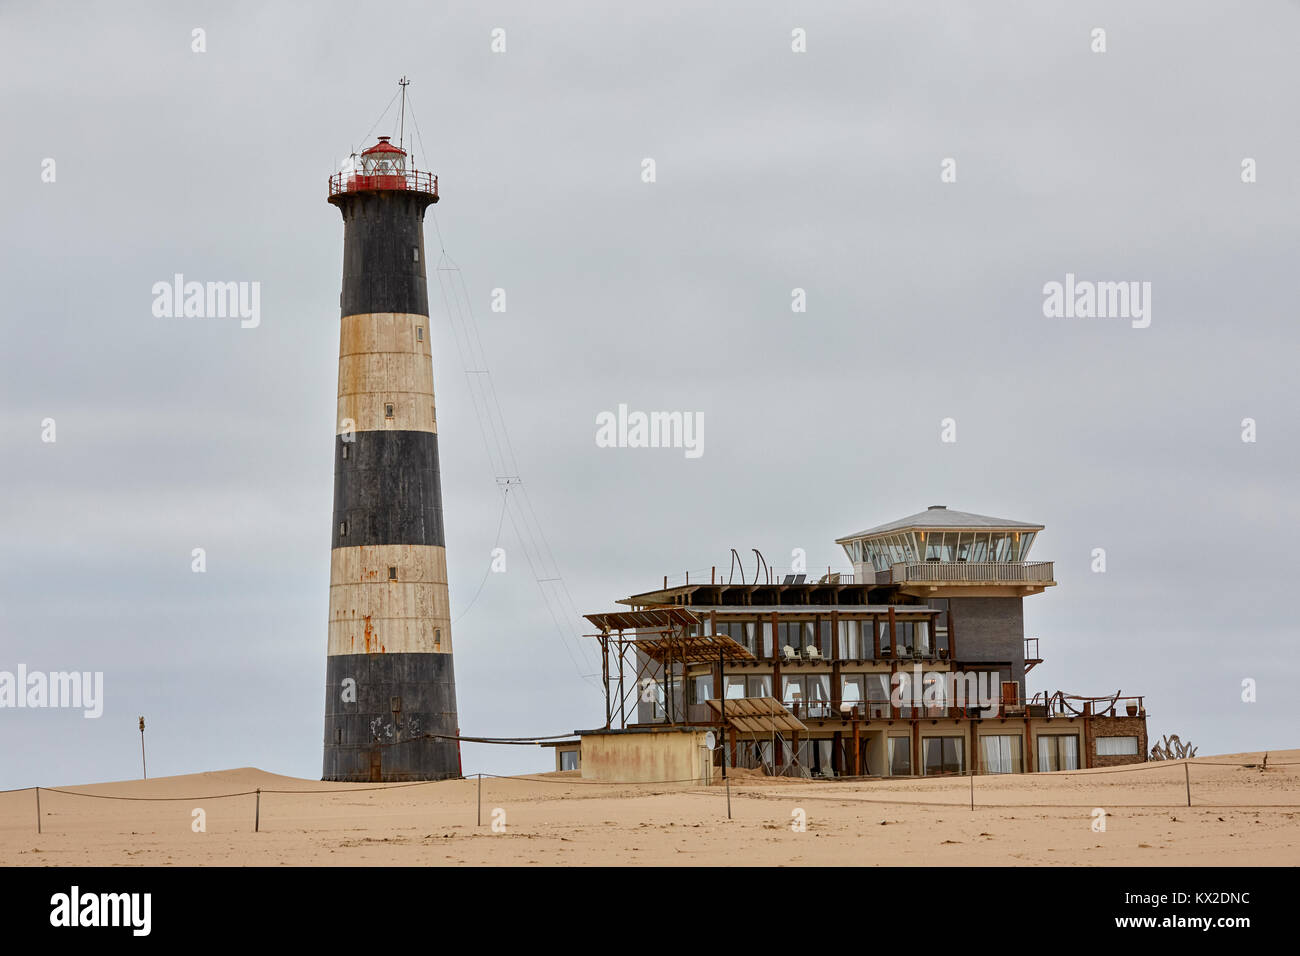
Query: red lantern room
column 383, row 167
column 383, row 159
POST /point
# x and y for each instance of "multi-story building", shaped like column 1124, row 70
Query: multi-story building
column 913, row 664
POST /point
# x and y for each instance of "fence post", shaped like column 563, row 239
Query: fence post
column 257, row 812
column 727, row 781
column 1187, row 775
column 38, row 809
column 972, row 790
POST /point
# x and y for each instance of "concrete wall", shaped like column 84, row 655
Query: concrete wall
column 990, row 629
column 659, row 756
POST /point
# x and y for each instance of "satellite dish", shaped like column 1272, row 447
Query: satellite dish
column 710, row 741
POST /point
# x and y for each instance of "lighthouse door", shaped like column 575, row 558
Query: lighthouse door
column 376, row 772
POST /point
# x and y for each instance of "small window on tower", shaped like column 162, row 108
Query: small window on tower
column 419, row 333
column 395, row 703
column 338, row 735
column 343, row 529
column 392, row 574
column 345, row 449
column 388, row 410
column 416, row 252
column 437, row 637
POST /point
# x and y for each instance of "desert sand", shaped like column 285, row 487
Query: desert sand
column 1240, row 815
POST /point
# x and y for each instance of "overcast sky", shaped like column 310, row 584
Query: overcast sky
column 775, row 170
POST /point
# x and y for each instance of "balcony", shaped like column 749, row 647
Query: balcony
column 1032, row 574
column 413, row 180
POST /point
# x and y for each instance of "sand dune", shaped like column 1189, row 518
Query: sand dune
column 1035, row 819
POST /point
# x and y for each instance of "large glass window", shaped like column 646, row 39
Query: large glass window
column 943, row 755
column 846, row 640
column 1000, row 753
column 877, row 689
column 883, row 630
column 792, row 691
column 765, row 628
column 851, row 692
column 735, row 686
column 818, row 689
column 1116, row 746
column 701, row 688
column 758, row 685
column 900, row 756
column 1026, row 542
column 796, row 634
column 742, row 632
column 1058, row 752
column 903, row 635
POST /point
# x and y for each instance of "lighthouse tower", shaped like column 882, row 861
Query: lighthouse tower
column 390, row 694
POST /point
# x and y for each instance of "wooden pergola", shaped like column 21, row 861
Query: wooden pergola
column 662, row 636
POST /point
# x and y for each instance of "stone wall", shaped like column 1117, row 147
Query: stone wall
column 1118, row 727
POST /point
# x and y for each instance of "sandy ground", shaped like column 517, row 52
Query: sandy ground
column 560, row 819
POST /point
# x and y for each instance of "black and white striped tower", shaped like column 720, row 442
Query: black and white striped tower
column 390, row 694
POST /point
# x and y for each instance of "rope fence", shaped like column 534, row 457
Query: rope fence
column 761, row 794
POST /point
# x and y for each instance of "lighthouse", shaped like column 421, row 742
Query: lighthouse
column 390, row 692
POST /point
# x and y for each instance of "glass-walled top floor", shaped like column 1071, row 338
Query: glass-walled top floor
column 896, row 547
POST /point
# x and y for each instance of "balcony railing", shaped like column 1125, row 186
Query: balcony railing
column 961, row 572
column 414, row 180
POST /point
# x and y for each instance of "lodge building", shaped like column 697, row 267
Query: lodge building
column 845, row 676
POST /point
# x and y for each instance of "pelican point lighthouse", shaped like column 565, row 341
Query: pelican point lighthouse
column 390, row 694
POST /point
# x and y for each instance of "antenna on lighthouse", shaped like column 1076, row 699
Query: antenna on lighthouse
column 401, row 131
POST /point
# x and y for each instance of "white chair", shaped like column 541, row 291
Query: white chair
column 814, row 654
column 789, row 653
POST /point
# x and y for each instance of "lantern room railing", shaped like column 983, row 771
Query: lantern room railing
column 414, row 180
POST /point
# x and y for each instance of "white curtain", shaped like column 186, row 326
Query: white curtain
column 1114, row 746
column 849, row 640
column 1070, row 753
column 1058, row 752
column 996, row 754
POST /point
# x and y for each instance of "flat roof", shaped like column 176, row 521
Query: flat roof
column 659, row 595
column 802, row 608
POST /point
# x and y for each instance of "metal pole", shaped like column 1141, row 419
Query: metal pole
column 972, row 790
column 257, row 812
column 144, row 768
column 401, row 132
column 480, row 799
column 727, row 781
column 1187, row 776
column 38, row 809
column 722, row 713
